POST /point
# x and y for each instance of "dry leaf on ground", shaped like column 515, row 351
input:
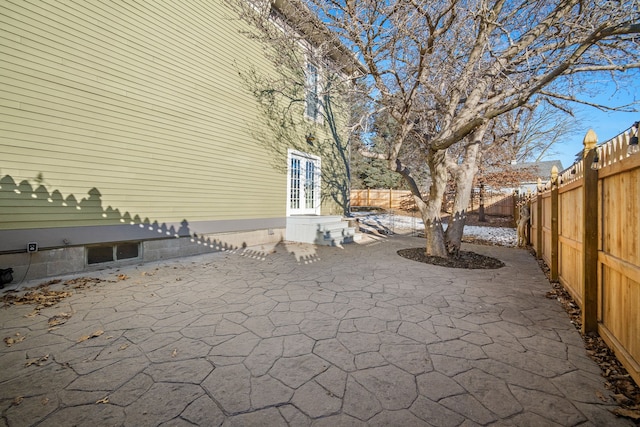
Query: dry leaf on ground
column 59, row 319
column 621, row 399
column 38, row 362
column 9, row 341
column 103, row 400
column 83, row 282
column 93, row 335
column 42, row 296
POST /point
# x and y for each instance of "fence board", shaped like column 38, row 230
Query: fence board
column 620, row 314
column 570, row 263
column 546, row 228
column 619, row 261
column 499, row 205
column 621, row 208
column 535, row 223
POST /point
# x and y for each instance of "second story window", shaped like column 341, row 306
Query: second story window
column 312, row 109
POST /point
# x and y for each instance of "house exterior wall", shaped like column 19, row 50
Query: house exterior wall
column 128, row 121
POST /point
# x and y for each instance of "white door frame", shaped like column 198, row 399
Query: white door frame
column 303, row 183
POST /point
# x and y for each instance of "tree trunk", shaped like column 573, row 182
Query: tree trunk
column 464, row 184
column 430, row 211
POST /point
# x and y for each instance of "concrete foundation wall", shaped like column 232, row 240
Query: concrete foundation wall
column 61, row 261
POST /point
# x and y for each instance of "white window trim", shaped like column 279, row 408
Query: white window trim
column 317, row 188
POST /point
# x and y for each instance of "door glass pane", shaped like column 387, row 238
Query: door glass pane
column 295, row 184
column 309, row 185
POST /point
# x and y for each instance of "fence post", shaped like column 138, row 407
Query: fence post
column 590, row 235
column 481, row 212
column 539, row 220
column 528, row 200
column 554, row 224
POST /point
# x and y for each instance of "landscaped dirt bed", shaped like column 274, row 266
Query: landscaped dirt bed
column 465, row 259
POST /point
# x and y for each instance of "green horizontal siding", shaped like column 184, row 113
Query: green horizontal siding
column 111, row 110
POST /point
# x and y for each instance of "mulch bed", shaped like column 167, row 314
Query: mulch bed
column 468, row 260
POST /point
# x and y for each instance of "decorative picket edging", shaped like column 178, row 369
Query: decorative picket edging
column 585, row 225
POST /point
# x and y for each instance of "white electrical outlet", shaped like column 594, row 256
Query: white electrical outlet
column 32, row 247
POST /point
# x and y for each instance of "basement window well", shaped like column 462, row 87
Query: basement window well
column 112, row 252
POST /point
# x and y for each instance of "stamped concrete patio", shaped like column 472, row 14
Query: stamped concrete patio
column 304, row 336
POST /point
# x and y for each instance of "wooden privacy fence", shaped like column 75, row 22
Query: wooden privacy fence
column 585, row 225
column 496, row 203
column 383, row 198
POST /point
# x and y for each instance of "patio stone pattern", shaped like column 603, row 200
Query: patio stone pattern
column 304, row 336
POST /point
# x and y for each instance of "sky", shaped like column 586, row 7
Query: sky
column 605, row 124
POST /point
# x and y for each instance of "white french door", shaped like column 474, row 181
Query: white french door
column 303, row 186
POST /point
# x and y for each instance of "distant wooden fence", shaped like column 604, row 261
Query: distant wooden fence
column 496, row 203
column 585, row 225
column 383, row 198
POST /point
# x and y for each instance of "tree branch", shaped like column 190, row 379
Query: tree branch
column 406, row 174
column 622, row 108
column 371, row 155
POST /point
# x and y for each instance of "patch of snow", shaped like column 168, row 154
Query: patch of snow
column 503, row 236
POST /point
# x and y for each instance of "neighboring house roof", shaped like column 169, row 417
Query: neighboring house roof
column 540, row 169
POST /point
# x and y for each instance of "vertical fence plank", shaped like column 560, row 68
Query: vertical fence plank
column 539, row 220
column 554, row 224
column 528, row 202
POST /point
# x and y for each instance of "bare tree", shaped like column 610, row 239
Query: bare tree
column 526, row 134
column 445, row 69
column 530, row 133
